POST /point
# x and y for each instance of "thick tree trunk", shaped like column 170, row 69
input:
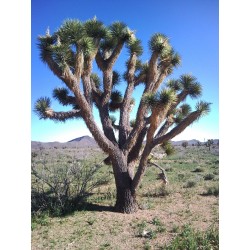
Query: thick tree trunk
column 126, row 200
column 125, row 194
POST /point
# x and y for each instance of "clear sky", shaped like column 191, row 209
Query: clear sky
column 193, row 29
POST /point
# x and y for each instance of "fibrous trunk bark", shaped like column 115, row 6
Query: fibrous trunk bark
column 126, row 200
column 125, row 194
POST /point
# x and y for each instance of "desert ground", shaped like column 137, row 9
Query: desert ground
column 184, row 214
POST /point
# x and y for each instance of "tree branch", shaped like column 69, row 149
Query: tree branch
column 62, row 116
column 163, row 175
column 116, row 52
column 178, row 129
column 124, row 126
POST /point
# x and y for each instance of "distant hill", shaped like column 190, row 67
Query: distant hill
column 83, row 141
column 191, row 142
column 87, row 141
column 79, row 142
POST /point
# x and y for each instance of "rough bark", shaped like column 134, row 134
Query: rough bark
column 126, row 200
column 125, row 194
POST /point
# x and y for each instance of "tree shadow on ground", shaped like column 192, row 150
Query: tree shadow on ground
column 97, row 207
column 44, row 203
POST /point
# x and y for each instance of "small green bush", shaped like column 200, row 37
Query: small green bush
column 209, row 177
column 198, row 170
column 190, row 184
column 189, row 239
column 63, row 188
column 161, row 191
column 212, row 190
column 156, row 221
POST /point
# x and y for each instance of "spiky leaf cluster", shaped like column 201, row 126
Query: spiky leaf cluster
column 160, row 99
column 189, row 83
column 175, row 59
column 96, row 79
column 62, row 95
column 134, row 46
column 182, row 112
column 116, row 78
column 44, row 45
column 120, row 31
column 115, row 101
column 159, row 43
column 41, row 106
column 95, row 29
column 174, row 84
column 87, row 46
column 61, row 54
column 71, row 32
column 203, row 107
column 185, row 109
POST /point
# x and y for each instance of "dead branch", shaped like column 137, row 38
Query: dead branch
column 162, row 175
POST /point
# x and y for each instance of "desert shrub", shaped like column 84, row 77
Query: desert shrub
column 208, row 177
column 190, row 184
column 161, row 191
column 168, row 169
column 34, row 154
column 181, row 176
column 168, row 148
column 190, row 239
column 216, row 172
column 198, row 170
column 212, row 190
column 63, row 188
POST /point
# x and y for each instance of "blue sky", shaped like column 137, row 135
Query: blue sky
column 193, row 29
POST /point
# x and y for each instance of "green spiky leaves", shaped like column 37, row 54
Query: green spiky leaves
column 134, row 46
column 41, row 106
column 203, row 107
column 86, row 44
column 95, row 29
column 44, row 45
column 160, row 99
column 62, row 95
column 74, row 32
column 116, row 78
column 174, row 84
column 176, row 59
column 182, row 112
column 61, row 54
column 115, row 101
column 185, row 109
column 189, row 83
column 96, row 79
column 160, row 43
column 167, row 97
column 71, row 31
column 121, row 32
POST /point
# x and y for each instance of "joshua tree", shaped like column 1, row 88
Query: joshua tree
column 70, row 53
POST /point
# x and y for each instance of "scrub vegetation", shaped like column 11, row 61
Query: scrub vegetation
column 182, row 214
